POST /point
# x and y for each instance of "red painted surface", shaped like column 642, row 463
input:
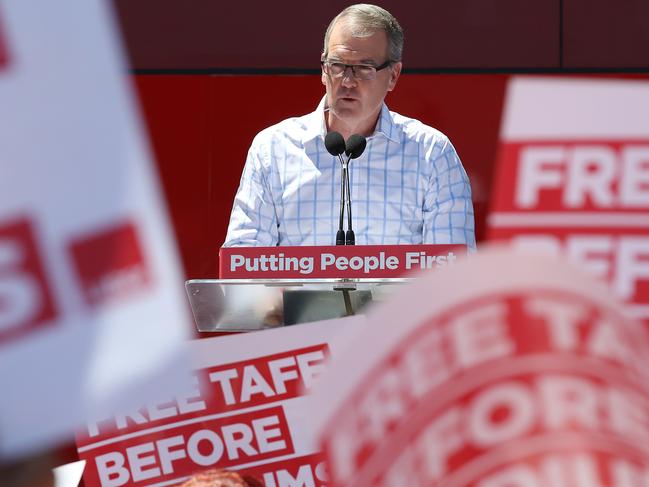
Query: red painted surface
column 201, row 128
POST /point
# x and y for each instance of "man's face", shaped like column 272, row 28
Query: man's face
column 354, row 102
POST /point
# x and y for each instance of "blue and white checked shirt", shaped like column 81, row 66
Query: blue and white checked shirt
column 408, row 187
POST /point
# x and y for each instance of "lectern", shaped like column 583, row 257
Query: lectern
column 265, row 287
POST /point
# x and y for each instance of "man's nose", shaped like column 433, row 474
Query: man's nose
column 349, row 79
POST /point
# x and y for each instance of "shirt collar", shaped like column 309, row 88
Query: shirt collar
column 316, row 125
column 386, row 125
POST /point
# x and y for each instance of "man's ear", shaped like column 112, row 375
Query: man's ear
column 395, row 72
column 323, row 76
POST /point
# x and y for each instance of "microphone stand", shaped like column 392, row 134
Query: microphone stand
column 354, row 147
column 340, row 235
column 341, row 238
column 350, row 238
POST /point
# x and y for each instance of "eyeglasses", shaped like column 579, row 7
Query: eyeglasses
column 360, row 71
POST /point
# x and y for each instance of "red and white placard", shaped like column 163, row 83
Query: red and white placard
column 4, row 52
column 507, row 370
column 91, row 308
column 573, row 177
column 245, row 409
column 341, row 261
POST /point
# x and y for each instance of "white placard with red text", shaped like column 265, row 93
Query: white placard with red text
column 91, row 303
column 245, row 410
column 573, row 177
column 506, row 370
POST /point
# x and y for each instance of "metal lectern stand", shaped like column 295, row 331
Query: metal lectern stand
column 229, row 305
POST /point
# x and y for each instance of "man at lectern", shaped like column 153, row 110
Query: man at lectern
column 407, row 187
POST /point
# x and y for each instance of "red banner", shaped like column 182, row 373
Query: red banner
column 343, row 261
column 573, row 176
column 180, row 451
column 618, row 256
column 587, row 200
column 237, row 414
column 304, row 471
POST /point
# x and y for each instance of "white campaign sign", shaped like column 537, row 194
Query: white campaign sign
column 91, row 303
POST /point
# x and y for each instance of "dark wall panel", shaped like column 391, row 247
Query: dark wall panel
column 606, row 33
column 481, row 34
column 206, row 34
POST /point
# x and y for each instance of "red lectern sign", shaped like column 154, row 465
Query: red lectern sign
column 349, row 261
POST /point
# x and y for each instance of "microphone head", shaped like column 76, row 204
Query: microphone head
column 334, row 143
column 355, row 146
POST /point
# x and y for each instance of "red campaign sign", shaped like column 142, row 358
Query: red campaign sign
column 618, row 256
column 326, row 262
column 506, row 389
column 575, row 176
column 26, row 302
column 177, row 452
column 4, row 52
column 309, row 470
column 231, row 418
column 251, row 383
column 267, row 379
column 110, row 264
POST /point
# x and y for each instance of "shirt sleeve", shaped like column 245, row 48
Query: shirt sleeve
column 253, row 221
column 448, row 210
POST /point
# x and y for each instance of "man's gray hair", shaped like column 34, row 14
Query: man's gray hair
column 367, row 19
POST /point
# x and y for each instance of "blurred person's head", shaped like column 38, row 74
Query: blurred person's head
column 361, row 63
column 34, row 471
column 221, row 478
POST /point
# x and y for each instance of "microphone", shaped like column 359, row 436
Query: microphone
column 355, row 146
column 353, row 149
column 335, row 145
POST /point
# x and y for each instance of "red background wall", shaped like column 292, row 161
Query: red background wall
column 201, row 127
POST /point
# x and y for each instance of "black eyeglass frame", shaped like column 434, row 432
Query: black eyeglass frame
column 354, row 66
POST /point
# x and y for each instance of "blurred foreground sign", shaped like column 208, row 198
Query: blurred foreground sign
column 92, row 315
column 573, row 177
column 3, row 49
column 3, row 46
column 505, row 371
column 244, row 409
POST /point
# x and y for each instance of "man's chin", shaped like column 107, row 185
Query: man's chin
column 347, row 110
